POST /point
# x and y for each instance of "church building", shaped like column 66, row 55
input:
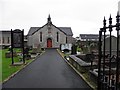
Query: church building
column 49, row 36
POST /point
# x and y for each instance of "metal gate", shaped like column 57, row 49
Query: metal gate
column 109, row 76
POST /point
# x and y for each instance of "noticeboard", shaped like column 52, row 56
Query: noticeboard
column 17, row 36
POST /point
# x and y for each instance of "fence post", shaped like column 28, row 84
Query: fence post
column 110, row 49
column 117, row 59
column 99, row 62
column 104, row 30
column 12, row 46
column 105, row 81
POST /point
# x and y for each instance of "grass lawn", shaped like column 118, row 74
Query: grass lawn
column 7, row 69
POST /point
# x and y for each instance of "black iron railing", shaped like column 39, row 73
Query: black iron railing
column 108, row 77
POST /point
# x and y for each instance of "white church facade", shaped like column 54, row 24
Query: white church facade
column 49, row 36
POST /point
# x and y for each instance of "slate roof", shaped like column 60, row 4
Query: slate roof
column 92, row 36
column 89, row 36
column 32, row 30
column 66, row 30
column 5, row 31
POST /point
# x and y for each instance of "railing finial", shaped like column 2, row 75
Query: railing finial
column 110, row 20
column 104, row 22
column 117, row 13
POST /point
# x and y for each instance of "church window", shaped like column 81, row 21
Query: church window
column 3, row 40
column 0, row 39
column 8, row 40
column 57, row 37
column 66, row 40
column 49, row 29
column 40, row 36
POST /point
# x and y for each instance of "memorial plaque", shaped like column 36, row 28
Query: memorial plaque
column 17, row 38
column 17, row 41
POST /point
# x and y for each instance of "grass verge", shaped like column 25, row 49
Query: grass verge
column 82, row 72
column 7, row 68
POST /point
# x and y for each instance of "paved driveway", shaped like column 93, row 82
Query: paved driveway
column 47, row 71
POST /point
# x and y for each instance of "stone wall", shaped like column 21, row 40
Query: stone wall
column 45, row 35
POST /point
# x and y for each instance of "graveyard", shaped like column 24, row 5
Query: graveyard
column 86, row 62
column 8, row 70
column 81, row 62
column 102, row 64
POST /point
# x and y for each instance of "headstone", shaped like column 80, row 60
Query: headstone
column 65, row 46
column 66, row 50
column 26, row 51
column 74, row 49
column 9, row 54
column 9, row 48
column 34, row 51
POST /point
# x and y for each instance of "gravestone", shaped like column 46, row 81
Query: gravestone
column 34, row 51
column 74, row 49
column 26, row 52
column 9, row 54
column 65, row 46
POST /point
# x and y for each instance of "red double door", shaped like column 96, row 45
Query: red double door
column 49, row 43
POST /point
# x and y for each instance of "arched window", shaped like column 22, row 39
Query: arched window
column 3, row 40
column 49, row 29
column 8, row 40
column 40, row 36
column 57, row 37
column 0, row 39
column 66, row 40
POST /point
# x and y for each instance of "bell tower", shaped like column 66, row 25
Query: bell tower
column 49, row 23
column 49, row 19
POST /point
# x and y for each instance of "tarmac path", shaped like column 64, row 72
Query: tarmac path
column 47, row 71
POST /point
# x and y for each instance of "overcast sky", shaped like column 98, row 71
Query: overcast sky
column 83, row 16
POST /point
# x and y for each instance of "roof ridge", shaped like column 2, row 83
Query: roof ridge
column 65, row 30
column 64, row 27
column 89, row 34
